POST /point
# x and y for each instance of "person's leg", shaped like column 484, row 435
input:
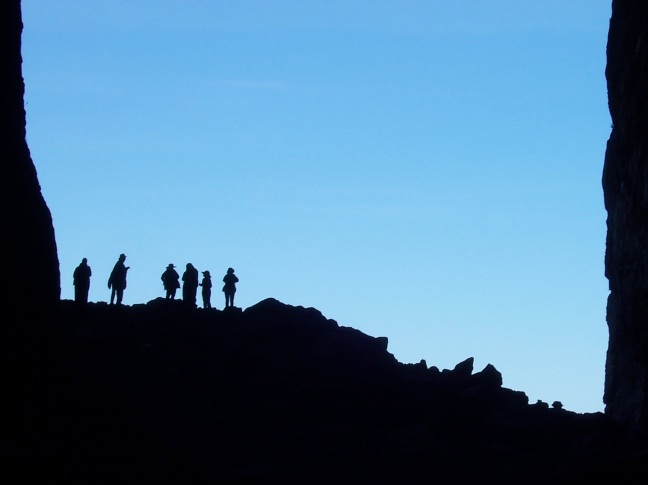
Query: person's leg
column 112, row 296
column 120, row 295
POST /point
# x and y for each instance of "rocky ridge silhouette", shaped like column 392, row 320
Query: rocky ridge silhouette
column 161, row 392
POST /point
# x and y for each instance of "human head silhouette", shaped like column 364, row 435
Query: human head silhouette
column 230, row 270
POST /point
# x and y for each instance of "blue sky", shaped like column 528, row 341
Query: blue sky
column 429, row 171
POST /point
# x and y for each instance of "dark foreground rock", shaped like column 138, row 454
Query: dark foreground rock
column 625, row 185
column 164, row 393
column 28, row 233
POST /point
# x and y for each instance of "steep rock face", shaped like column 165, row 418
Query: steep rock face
column 30, row 264
column 625, row 184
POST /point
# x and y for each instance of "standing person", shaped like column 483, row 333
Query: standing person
column 190, row 284
column 206, row 289
column 229, row 288
column 81, row 279
column 117, row 280
column 171, row 281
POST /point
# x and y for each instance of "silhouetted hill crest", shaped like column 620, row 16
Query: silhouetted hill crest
column 278, row 392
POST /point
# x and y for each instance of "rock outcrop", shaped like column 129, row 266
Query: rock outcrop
column 30, row 263
column 165, row 393
column 625, row 185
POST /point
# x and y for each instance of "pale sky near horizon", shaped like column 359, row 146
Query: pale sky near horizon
column 429, row 171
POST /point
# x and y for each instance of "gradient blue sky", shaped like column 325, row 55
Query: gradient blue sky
column 429, row 171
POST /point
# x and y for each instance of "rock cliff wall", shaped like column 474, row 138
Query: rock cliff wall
column 625, row 185
column 30, row 263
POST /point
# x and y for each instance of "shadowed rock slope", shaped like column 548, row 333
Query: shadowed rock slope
column 161, row 392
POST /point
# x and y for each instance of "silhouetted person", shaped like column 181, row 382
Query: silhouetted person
column 229, row 288
column 206, row 289
column 117, row 280
column 81, row 278
column 171, row 281
column 190, row 284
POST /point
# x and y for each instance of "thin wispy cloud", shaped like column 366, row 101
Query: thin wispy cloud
column 261, row 85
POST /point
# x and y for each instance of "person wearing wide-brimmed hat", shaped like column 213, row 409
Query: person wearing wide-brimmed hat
column 206, row 289
column 171, row 281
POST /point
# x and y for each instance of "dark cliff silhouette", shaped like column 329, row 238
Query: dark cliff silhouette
column 32, row 279
column 625, row 185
